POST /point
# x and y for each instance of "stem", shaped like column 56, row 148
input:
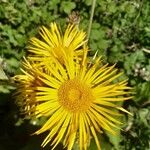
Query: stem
column 91, row 18
column 146, row 50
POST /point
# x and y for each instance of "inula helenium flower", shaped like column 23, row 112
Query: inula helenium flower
column 53, row 44
column 79, row 98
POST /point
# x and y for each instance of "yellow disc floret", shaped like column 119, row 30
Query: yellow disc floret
column 75, row 96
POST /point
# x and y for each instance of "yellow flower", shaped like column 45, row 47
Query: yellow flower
column 53, row 43
column 26, row 89
column 78, row 98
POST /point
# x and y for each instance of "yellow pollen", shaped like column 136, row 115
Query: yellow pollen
column 75, row 96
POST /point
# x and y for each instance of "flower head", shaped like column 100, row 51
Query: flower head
column 53, row 43
column 78, row 98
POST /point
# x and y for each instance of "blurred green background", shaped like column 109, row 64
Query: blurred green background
column 120, row 32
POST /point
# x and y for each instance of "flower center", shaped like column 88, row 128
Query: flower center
column 75, row 96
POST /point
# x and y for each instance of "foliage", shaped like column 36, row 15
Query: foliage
column 120, row 32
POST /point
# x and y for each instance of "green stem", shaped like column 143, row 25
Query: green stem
column 91, row 18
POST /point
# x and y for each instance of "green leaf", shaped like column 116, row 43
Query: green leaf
column 115, row 139
column 112, row 7
column 88, row 2
column 143, row 114
column 104, row 143
column 53, row 3
column 67, row 7
column 2, row 74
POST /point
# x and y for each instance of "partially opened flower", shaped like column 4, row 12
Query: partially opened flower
column 78, row 98
column 27, row 89
column 53, row 43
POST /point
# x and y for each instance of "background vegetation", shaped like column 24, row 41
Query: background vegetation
column 120, row 32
